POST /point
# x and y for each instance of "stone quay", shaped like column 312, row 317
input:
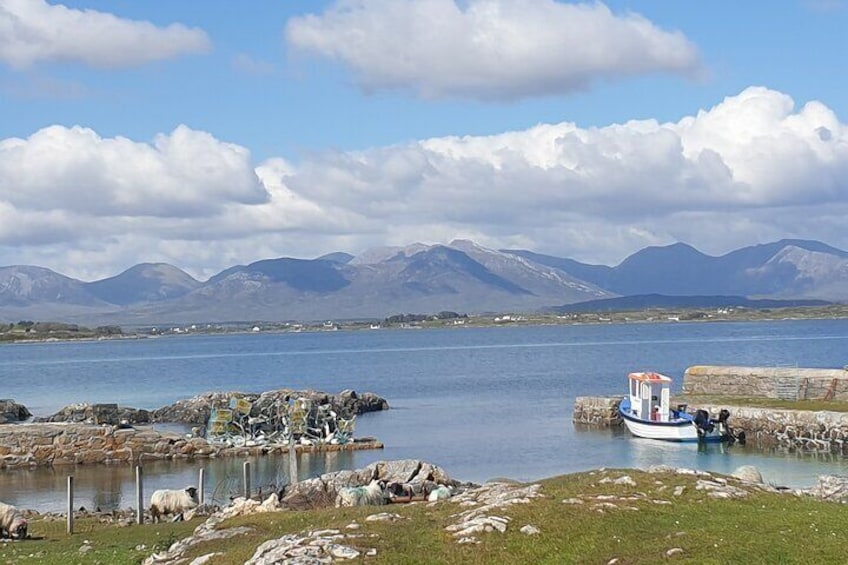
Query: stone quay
column 46, row 444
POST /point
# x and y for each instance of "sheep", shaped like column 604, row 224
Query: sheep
column 396, row 490
column 441, row 492
column 167, row 501
column 373, row 494
column 12, row 522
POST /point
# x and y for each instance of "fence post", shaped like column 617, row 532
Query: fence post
column 247, row 479
column 200, row 487
column 70, row 504
column 139, row 496
column 292, row 462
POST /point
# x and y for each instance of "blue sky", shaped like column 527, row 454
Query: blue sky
column 209, row 133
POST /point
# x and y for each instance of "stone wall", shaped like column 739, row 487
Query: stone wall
column 29, row 445
column 600, row 411
column 787, row 383
column 795, row 430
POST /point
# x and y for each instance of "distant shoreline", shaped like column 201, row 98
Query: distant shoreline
column 658, row 315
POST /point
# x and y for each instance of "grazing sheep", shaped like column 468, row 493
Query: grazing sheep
column 441, row 492
column 400, row 490
column 373, row 494
column 12, row 522
column 175, row 502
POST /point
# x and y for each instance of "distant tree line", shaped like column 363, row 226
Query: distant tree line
column 408, row 318
column 28, row 329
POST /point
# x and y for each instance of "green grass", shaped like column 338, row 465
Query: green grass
column 812, row 405
column 110, row 544
column 761, row 528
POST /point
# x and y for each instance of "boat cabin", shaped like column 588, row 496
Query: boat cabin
column 650, row 395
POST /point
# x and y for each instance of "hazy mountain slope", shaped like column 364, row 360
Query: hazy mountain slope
column 787, row 268
column 25, row 285
column 797, row 272
column 598, row 275
column 537, row 278
column 144, row 283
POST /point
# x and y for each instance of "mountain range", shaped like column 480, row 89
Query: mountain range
column 461, row 276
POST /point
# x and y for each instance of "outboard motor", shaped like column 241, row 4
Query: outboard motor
column 703, row 423
column 728, row 433
column 723, row 426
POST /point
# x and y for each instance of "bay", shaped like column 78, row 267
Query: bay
column 480, row 402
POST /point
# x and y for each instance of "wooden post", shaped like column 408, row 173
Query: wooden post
column 292, row 463
column 139, row 496
column 247, row 479
column 200, row 487
column 70, row 504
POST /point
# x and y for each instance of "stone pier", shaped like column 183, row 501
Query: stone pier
column 786, row 383
column 808, row 431
column 598, row 411
column 31, row 445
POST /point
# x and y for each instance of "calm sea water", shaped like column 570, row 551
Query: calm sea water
column 480, row 402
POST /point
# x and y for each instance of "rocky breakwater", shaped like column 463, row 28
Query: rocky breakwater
column 108, row 434
column 196, row 410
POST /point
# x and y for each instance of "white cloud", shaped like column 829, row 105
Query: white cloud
column 489, row 49
column 33, row 31
column 754, row 168
column 187, row 173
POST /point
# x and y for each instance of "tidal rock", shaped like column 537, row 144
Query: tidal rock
column 11, row 411
column 748, row 474
column 111, row 414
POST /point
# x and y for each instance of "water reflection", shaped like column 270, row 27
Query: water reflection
column 778, row 466
column 110, row 487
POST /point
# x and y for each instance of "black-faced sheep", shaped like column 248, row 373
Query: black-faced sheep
column 174, row 502
column 373, row 494
column 12, row 522
column 400, row 490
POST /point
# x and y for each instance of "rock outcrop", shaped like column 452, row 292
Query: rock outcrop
column 11, row 411
column 111, row 414
column 320, row 492
column 196, row 410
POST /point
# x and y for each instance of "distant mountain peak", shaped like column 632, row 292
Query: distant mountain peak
column 380, row 254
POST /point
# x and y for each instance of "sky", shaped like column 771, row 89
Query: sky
column 210, row 133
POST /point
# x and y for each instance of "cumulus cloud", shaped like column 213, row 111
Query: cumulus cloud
column 33, row 31
column 753, row 168
column 489, row 49
column 186, row 173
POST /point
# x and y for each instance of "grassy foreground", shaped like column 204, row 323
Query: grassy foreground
column 649, row 522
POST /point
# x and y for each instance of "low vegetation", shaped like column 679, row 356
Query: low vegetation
column 582, row 518
column 774, row 403
column 27, row 330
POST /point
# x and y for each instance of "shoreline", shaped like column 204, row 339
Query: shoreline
column 504, row 320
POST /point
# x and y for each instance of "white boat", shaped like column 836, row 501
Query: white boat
column 647, row 413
